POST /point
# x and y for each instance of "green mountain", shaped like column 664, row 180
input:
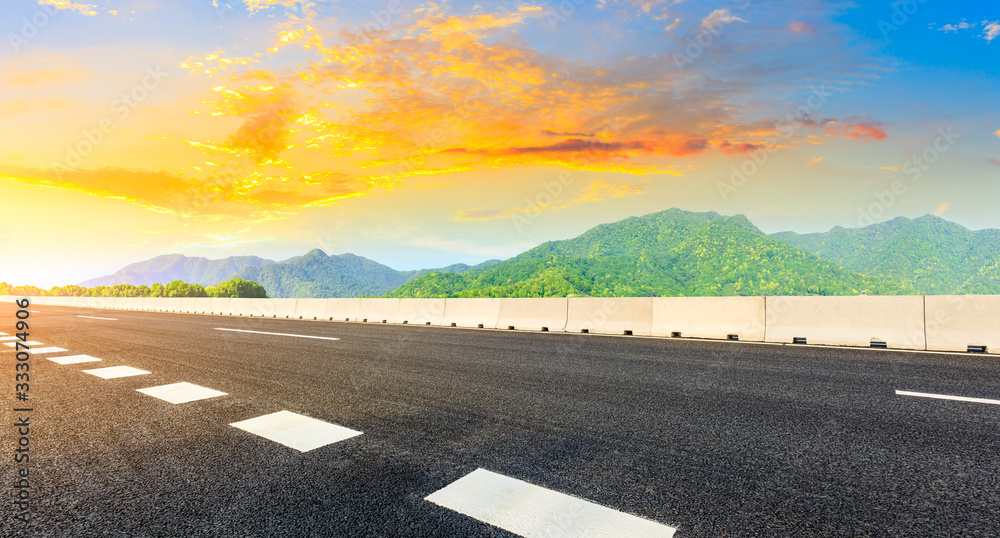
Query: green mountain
column 986, row 281
column 171, row 267
column 670, row 253
column 929, row 254
column 317, row 275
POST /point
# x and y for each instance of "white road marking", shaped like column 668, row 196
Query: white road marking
column 29, row 343
column 8, row 338
column 116, row 372
column 178, row 393
column 41, row 350
column 530, row 510
column 296, row 431
column 73, row 359
column 946, row 397
column 92, row 317
column 279, row 334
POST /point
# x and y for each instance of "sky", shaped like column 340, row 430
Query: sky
column 422, row 134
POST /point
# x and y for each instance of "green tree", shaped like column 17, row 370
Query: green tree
column 238, row 287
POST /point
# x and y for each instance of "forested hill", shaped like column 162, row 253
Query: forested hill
column 930, row 254
column 170, row 267
column 670, row 253
column 316, row 274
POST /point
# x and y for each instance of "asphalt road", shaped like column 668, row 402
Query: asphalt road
column 712, row 438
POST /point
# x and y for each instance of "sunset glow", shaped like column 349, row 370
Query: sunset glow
column 425, row 134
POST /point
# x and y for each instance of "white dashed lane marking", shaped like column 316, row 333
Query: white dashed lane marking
column 279, row 334
column 178, row 393
column 115, row 372
column 43, row 350
column 946, row 397
column 530, row 510
column 92, row 317
column 296, row 431
column 29, row 343
column 8, row 338
column 73, row 359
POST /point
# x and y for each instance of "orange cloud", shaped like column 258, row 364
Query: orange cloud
column 941, row 209
column 802, row 28
column 216, row 63
column 858, row 130
column 85, row 9
column 240, row 194
column 431, row 93
column 258, row 5
column 742, row 147
column 442, row 95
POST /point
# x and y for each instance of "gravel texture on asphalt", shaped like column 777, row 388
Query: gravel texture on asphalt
column 714, row 438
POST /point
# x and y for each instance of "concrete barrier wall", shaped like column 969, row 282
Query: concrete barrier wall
column 201, row 305
column 378, row 310
column 311, row 309
column 187, row 305
column 533, row 314
column 955, row 322
column 239, row 307
column 709, row 317
column 219, row 305
column 273, row 308
column 421, row 311
column 610, row 315
column 478, row 312
column 343, row 309
column 848, row 321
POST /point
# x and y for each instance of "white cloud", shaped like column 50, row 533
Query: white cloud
column 719, row 17
column 86, row 9
column 991, row 31
column 955, row 27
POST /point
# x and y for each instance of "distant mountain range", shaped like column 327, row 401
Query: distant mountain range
column 930, row 254
column 164, row 269
column 312, row 275
column 668, row 253
column 317, row 275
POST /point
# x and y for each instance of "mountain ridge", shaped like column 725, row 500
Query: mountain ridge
column 929, row 253
column 670, row 252
column 169, row 267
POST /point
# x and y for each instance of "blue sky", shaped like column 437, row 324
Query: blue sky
column 456, row 132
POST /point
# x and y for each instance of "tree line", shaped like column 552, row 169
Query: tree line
column 236, row 287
